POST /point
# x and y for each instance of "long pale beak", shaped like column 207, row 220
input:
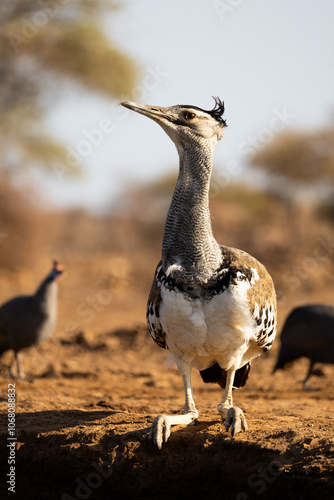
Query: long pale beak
column 147, row 110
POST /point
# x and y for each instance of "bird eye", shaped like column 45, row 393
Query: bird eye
column 189, row 116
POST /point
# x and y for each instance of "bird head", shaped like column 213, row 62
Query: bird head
column 57, row 270
column 186, row 123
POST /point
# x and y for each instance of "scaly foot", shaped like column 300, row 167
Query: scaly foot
column 160, row 429
column 19, row 376
column 234, row 418
column 308, row 388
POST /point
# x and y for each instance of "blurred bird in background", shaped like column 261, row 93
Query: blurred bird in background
column 27, row 320
column 308, row 332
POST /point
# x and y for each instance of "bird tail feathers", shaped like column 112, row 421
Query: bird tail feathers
column 218, row 375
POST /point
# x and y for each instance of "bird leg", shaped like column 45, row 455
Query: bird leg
column 161, row 427
column 11, row 371
column 233, row 416
column 305, row 382
column 19, row 366
column 18, row 358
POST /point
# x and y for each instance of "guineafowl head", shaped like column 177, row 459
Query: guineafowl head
column 57, row 270
column 186, row 124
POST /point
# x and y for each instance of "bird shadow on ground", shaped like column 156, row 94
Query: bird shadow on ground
column 49, row 373
column 98, row 453
column 53, row 420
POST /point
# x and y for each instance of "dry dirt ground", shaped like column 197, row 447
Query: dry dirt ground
column 84, row 414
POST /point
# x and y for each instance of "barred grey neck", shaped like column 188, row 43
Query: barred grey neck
column 189, row 249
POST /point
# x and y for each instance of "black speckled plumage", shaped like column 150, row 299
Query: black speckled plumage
column 235, row 268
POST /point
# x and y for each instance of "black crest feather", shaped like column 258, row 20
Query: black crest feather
column 218, row 111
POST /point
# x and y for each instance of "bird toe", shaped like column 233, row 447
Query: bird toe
column 160, row 431
column 235, row 421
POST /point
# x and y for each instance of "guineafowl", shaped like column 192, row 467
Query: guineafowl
column 308, row 332
column 27, row 320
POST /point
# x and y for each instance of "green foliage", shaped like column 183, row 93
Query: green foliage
column 165, row 185
column 306, row 157
column 81, row 52
column 257, row 202
column 42, row 44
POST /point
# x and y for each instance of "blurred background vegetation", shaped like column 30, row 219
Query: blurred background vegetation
column 43, row 46
column 283, row 223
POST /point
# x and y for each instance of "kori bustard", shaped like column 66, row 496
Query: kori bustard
column 212, row 306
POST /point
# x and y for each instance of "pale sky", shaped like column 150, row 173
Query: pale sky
column 270, row 61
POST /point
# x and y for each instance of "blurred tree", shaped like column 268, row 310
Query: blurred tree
column 42, row 44
column 302, row 157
